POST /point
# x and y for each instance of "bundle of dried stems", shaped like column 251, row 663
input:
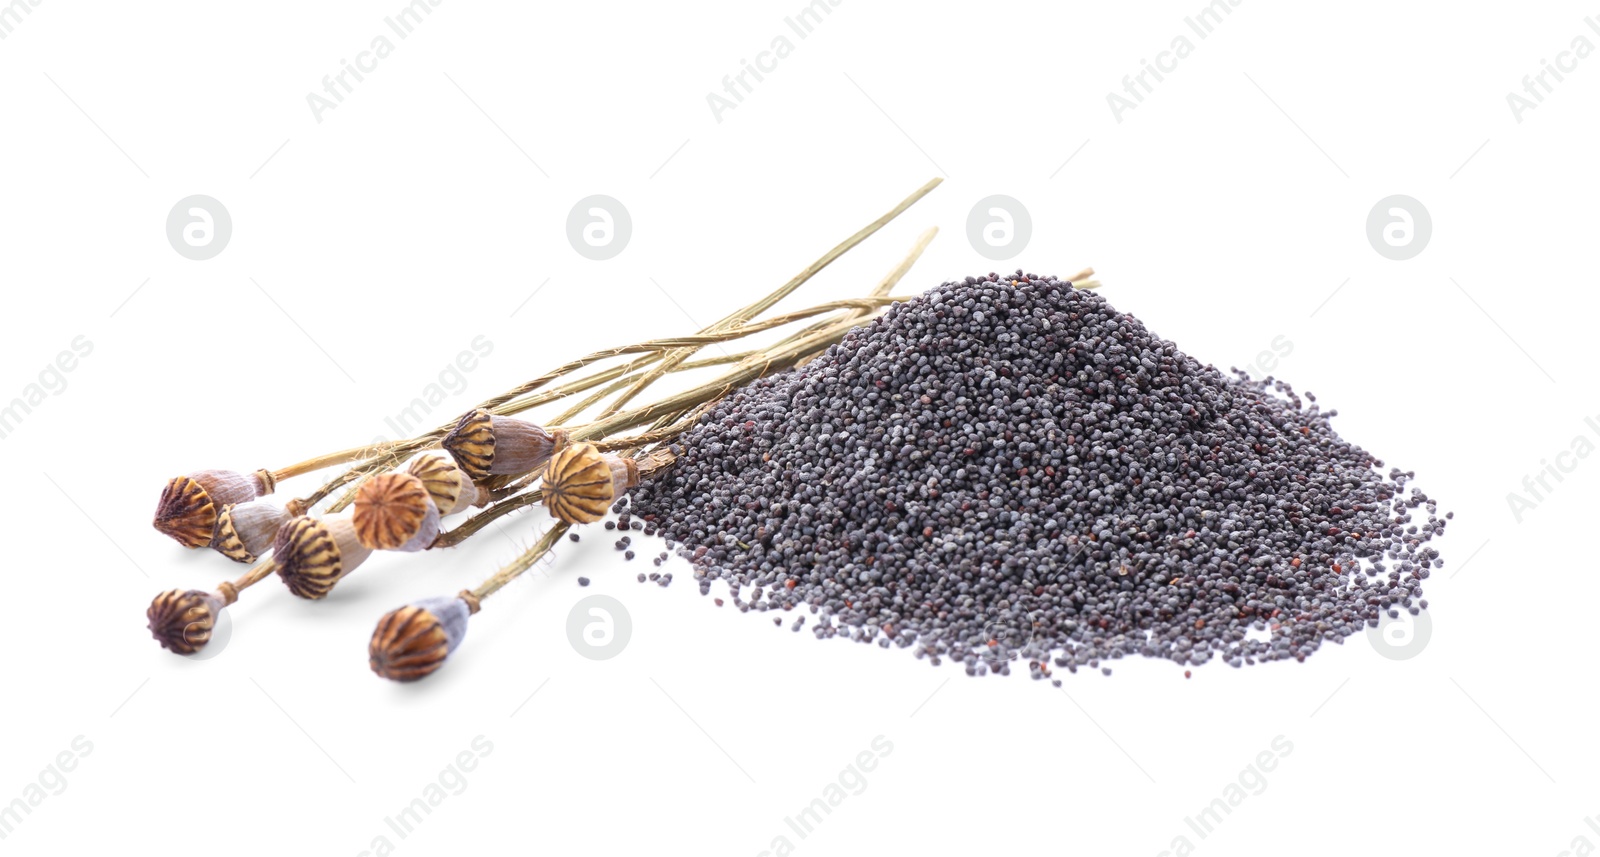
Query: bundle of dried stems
column 396, row 495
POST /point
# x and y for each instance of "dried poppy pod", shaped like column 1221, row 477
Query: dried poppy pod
column 581, row 483
column 313, row 554
column 182, row 620
column 412, row 642
column 394, row 511
column 485, row 445
column 245, row 530
column 452, row 489
column 190, row 504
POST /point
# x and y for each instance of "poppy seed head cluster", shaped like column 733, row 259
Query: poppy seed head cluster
column 1007, row 469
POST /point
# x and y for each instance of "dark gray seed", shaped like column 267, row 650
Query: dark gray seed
column 1006, row 460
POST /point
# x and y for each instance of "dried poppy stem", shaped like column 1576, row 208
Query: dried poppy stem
column 765, row 303
column 738, row 318
column 522, row 563
column 497, row 404
column 394, row 452
column 343, row 456
column 260, row 572
column 636, row 381
column 820, row 337
column 879, row 293
column 399, row 450
column 751, row 369
column 367, row 467
column 587, row 382
column 893, row 278
column 464, row 530
column 527, row 479
column 817, row 336
column 659, row 435
column 376, row 457
column 863, row 309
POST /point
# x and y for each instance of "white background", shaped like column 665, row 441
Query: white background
column 370, row 247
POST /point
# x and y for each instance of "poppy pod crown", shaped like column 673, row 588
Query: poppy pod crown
column 312, row 555
column 581, row 483
column 189, row 505
column 485, row 445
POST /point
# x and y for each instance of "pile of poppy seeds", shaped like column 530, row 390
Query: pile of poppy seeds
column 1007, row 470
